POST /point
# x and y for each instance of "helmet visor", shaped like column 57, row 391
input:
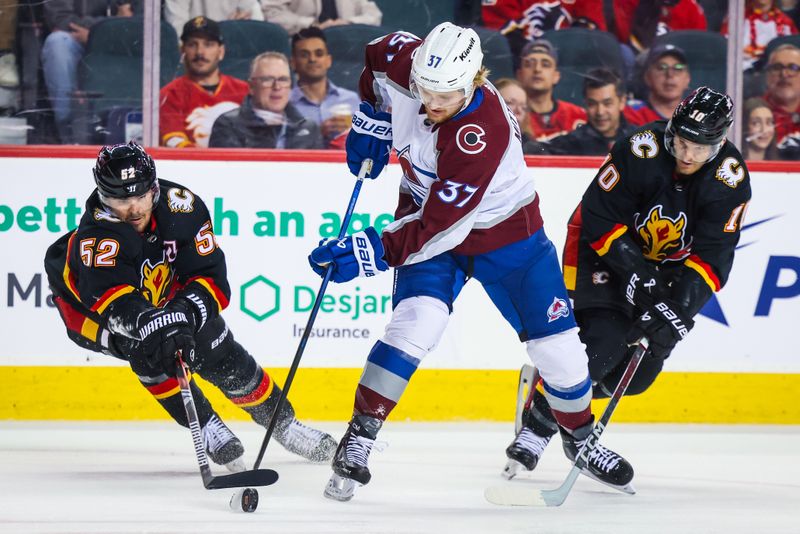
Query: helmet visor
column 688, row 151
column 437, row 100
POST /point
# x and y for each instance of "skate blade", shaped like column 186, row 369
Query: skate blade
column 627, row 488
column 512, row 469
column 340, row 488
column 236, row 466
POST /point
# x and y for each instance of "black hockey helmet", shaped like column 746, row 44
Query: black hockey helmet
column 703, row 117
column 124, row 170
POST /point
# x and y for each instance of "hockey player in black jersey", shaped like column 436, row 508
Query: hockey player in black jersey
column 142, row 278
column 652, row 239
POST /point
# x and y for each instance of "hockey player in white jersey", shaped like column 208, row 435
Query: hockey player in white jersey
column 467, row 210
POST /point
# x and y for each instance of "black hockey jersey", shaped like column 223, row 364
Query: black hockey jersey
column 104, row 273
column 687, row 226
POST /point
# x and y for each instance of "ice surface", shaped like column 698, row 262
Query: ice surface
column 142, row 477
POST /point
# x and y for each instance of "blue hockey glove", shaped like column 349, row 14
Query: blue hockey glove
column 358, row 255
column 369, row 138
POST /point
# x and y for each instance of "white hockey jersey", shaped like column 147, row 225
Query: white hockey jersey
column 465, row 186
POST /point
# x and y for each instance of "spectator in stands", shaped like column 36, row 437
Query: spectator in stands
column 266, row 119
column 758, row 127
column 637, row 22
column 517, row 101
column 538, row 74
column 69, row 22
column 783, row 94
column 604, row 92
column 9, row 76
column 315, row 96
column 295, row 15
column 763, row 22
column 666, row 77
column 792, row 10
column 179, row 12
column 191, row 103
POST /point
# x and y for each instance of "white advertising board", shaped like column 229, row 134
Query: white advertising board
column 269, row 215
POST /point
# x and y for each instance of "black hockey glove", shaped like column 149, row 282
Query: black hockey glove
column 643, row 287
column 664, row 325
column 164, row 332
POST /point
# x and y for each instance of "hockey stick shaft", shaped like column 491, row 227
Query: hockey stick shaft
column 557, row 496
column 366, row 167
column 260, row 477
column 516, row 496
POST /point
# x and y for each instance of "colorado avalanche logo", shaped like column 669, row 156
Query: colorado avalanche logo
column 663, row 237
column 156, row 280
column 180, row 200
column 559, row 308
column 730, row 172
column 469, row 139
column 644, row 145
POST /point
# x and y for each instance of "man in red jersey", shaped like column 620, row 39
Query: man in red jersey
column 538, row 74
column 191, row 103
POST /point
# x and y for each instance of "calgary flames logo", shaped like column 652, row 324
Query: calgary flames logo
column 644, row 145
column 730, row 172
column 663, row 237
column 180, row 200
column 156, row 281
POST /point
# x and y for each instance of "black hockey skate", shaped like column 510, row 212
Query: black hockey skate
column 524, row 452
column 350, row 461
column 604, row 465
column 307, row 442
column 222, row 445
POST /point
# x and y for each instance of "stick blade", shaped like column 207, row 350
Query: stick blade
column 514, row 496
column 245, row 479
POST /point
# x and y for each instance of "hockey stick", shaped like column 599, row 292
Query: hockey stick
column 366, row 167
column 517, row 496
column 256, row 477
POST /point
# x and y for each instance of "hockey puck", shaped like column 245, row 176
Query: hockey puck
column 244, row 500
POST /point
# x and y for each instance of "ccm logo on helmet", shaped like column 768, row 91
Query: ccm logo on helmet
column 469, row 139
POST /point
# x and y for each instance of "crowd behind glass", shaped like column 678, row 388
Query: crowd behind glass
column 55, row 54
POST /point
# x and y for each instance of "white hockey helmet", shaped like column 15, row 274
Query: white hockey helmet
column 447, row 60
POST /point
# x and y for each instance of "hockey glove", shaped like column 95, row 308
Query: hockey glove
column 196, row 305
column 369, row 138
column 643, row 287
column 664, row 325
column 358, row 255
column 164, row 332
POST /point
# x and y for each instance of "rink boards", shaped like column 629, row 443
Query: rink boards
column 270, row 209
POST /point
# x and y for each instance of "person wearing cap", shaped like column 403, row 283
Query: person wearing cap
column 69, row 23
column 667, row 78
column 178, row 12
column 604, row 93
column 191, row 103
column 538, row 73
column 315, row 95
